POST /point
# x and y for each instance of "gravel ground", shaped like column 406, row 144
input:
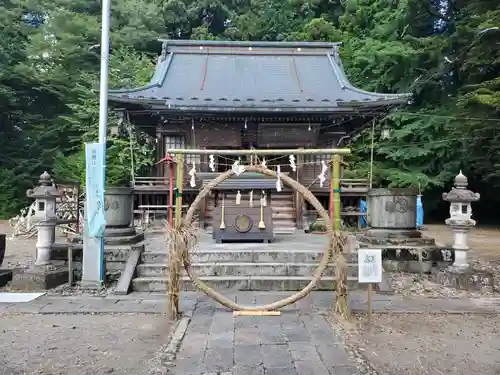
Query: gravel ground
column 417, row 344
column 80, row 344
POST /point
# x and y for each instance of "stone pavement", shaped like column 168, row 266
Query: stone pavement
column 155, row 303
column 294, row 343
column 299, row 342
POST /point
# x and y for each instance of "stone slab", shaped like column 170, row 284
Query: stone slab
column 125, row 281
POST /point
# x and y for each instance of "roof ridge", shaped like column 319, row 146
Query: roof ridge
column 260, row 44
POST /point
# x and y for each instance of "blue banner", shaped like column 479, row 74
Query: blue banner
column 362, row 208
column 420, row 212
column 94, row 189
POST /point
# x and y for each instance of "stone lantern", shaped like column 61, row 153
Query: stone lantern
column 45, row 195
column 460, row 220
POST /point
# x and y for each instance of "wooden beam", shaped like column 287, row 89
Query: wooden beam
column 256, row 313
column 309, row 151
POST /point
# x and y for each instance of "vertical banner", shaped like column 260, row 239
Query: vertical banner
column 95, row 222
column 94, row 188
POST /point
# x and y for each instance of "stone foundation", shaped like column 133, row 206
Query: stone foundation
column 464, row 278
column 40, row 278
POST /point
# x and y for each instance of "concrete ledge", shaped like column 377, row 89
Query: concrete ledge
column 242, row 283
column 165, row 357
column 252, row 255
column 245, row 269
column 125, row 281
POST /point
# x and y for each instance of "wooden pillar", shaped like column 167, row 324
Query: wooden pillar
column 335, row 193
column 178, row 193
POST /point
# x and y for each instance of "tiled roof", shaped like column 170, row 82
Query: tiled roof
column 251, row 76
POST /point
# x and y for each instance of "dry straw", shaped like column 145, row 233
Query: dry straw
column 179, row 240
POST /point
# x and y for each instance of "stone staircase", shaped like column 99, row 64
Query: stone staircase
column 283, row 209
column 256, row 267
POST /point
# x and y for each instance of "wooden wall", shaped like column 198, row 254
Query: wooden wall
column 257, row 135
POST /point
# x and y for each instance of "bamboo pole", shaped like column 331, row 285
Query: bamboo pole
column 336, row 192
column 171, row 193
column 309, row 151
column 178, row 194
column 175, row 250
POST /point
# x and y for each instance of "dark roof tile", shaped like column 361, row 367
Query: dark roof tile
column 275, row 75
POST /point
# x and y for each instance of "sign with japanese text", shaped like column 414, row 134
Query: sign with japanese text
column 370, row 266
column 94, row 189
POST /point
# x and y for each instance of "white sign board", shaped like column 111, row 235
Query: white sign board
column 370, row 265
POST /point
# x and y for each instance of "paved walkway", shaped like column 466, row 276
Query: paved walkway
column 155, row 303
column 299, row 342
column 290, row 344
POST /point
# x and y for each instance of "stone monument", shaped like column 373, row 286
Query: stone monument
column 460, row 220
column 392, row 221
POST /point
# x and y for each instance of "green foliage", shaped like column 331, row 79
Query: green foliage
column 49, row 74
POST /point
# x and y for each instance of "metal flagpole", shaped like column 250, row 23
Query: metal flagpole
column 93, row 275
column 103, row 101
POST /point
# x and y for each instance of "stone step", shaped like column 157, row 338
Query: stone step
column 284, row 230
column 247, row 253
column 244, row 269
column 283, row 216
column 235, row 283
column 283, row 209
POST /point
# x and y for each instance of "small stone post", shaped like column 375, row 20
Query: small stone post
column 460, row 220
column 45, row 196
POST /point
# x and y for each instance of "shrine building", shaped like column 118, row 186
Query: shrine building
column 243, row 95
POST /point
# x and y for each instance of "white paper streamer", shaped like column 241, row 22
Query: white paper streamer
column 263, row 163
column 192, row 173
column 237, row 168
column 278, row 180
column 263, row 200
column 250, row 199
column 238, row 197
column 292, row 163
column 321, row 176
column 211, row 163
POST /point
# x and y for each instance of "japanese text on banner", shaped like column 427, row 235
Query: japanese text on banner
column 94, row 189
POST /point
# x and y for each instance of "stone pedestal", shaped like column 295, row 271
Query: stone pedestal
column 45, row 240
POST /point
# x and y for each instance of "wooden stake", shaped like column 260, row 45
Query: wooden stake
column 256, row 313
column 370, row 307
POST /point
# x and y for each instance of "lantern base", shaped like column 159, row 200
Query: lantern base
column 40, row 278
column 5, row 277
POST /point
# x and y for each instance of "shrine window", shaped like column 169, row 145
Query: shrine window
column 173, row 142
